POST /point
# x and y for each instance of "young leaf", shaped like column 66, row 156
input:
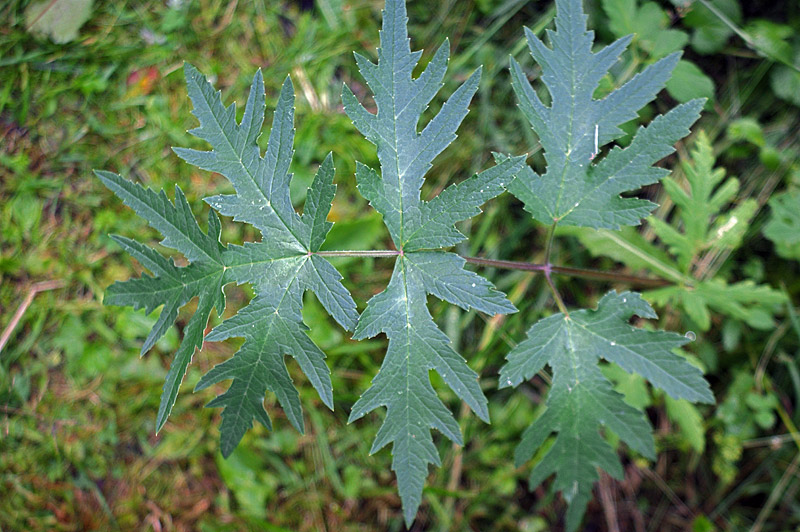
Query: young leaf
column 700, row 206
column 701, row 225
column 648, row 21
column 582, row 400
column 281, row 267
column 575, row 190
column 416, row 345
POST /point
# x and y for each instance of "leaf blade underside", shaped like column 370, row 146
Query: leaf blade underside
column 420, row 229
column 582, row 186
column 281, row 267
column 575, row 190
column 581, row 400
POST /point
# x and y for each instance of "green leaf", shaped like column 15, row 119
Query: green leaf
column 745, row 300
column 771, row 40
column 649, row 24
column 699, row 208
column 581, row 400
column 318, row 204
column 689, row 82
column 785, row 82
column 272, row 326
column 418, row 228
column 783, row 227
column 576, row 189
column 667, row 42
column 632, row 386
column 621, row 16
column 416, row 346
column 281, row 267
column 172, row 287
column 690, row 421
column 710, row 32
column 746, row 129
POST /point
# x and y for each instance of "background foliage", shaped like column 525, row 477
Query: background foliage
column 77, row 406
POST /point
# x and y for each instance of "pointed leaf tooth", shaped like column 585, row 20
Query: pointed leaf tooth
column 206, row 160
column 426, row 86
column 458, row 202
column 215, row 228
column 532, row 438
column 278, row 157
column 253, row 118
column 444, row 276
column 606, row 58
column 174, row 221
column 165, row 320
column 540, row 53
column 192, row 339
column 325, row 281
column 364, row 121
column 147, row 256
column 208, row 107
column 623, row 103
column 439, row 132
column 311, row 360
column 529, row 103
column 371, row 186
column 318, row 204
column 532, row 354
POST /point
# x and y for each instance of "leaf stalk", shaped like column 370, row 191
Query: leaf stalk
column 584, row 273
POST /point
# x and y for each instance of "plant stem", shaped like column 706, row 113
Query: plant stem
column 559, row 302
column 573, row 272
column 551, row 233
column 548, row 269
column 583, row 273
column 359, row 253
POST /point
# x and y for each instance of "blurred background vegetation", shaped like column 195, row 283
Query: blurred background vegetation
column 77, row 406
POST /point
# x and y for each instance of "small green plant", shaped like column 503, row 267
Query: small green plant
column 582, row 186
column 704, row 229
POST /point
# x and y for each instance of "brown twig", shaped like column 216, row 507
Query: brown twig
column 605, row 488
column 35, row 289
column 43, row 12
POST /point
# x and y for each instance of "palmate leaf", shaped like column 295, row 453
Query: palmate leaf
column 581, row 187
column 281, row 267
column 575, row 190
column 581, row 399
column 418, row 228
